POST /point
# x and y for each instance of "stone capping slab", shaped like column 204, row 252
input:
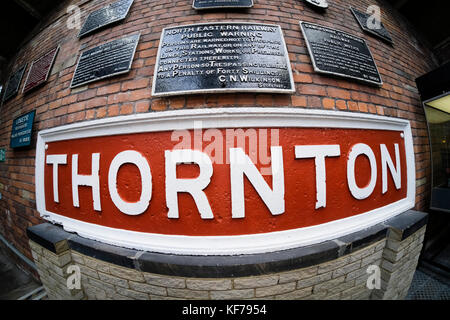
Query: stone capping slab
column 55, row 239
column 49, row 236
column 407, row 223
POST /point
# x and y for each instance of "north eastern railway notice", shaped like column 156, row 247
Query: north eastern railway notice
column 234, row 57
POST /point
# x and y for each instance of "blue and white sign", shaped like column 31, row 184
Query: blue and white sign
column 22, row 129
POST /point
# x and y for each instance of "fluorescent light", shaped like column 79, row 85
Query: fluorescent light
column 441, row 102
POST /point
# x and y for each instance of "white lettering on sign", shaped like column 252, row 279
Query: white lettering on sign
column 386, row 160
column 194, row 187
column 355, row 152
column 92, row 181
column 139, row 161
column 240, row 165
column 319, row 153
column 55, row 160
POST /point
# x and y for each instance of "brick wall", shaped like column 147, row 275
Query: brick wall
column 341, row 279
column 56, row 104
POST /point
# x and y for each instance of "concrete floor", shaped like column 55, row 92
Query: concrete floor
column 15, row 282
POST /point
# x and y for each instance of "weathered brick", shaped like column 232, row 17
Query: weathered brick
column 233, row 294
column 328, row 284
column 126, row 273
column 132, row 294
column 332, row 265
column 208, row 284
column 147, row 288
column 295, row 295
column 255, row 282
column 274, row 290
column 188, row 294
column 113, row 280
column 346, row 269
column 164, row 281
column 308, row 282
column 298, row 274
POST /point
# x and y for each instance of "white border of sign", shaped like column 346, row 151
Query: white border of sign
column 226, row 118
column 223, row 90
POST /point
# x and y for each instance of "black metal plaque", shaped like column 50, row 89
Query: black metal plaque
column 112, row 13
column 339, row 53
column 322, row 4
column 362, row 18
column 40, row 70
column 105, row 61
column 13, row 84
column 222, row 57
column 215, row 4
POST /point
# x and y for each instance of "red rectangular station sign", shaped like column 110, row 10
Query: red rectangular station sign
column 227, row 181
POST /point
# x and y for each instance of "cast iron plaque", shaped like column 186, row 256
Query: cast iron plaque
column 22, row 129
column 210, row 4
column 339, row 53
column 322, row 4
column 362, row 18
column 13, row 84
column 39, row 70
column 222, row 57
column 106, row 60
column 114, row 12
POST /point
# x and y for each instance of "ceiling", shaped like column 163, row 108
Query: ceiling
column 17, row 19
column 431, row 21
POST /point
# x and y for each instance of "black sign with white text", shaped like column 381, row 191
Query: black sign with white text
column 339, row 53
column 114, row 12
column 106, row 60
column 222, row 57
column 13, row 84
column 210, row 4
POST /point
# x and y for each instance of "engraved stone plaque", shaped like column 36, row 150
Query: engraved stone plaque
column 106, row 60
column 211, row 4
column 222, row 57
column 39, row 70
column 22, row 129
column 13, row 84
column 380, row 32
column 339, row 53
column 112, row 13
